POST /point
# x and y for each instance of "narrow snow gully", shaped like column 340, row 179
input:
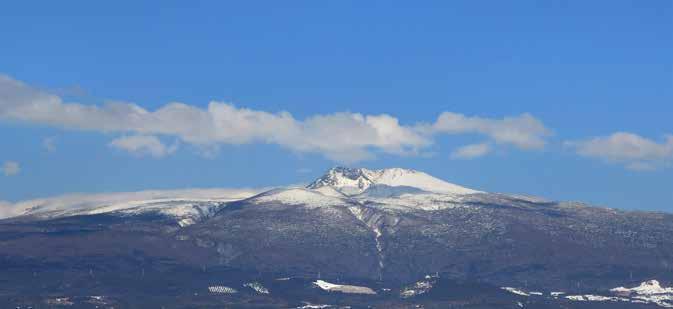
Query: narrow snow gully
column 376, row 222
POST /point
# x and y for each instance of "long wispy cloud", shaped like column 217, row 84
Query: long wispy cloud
column 345, row 137
column 633, row 151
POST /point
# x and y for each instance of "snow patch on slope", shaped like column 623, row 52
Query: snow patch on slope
column 349, row 289
column 420, row 287
column 650, row 287
column 258, row 287
column 515, row 291
column 649, row 292
column 595, row 298
column 221, row 289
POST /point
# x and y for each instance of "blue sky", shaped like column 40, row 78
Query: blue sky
column 568, row 74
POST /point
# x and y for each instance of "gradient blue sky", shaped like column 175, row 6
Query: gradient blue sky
column 584, row 69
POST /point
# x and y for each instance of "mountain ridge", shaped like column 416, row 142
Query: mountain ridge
column 356, row 180
column 384, row 232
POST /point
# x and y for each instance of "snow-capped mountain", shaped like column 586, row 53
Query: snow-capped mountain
column 387, row 188
column 390, row 226
column 393, row 188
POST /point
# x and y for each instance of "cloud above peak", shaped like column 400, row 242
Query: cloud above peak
column 344, row 137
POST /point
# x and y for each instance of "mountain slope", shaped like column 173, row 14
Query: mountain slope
column 387, row 228
column 185, row 207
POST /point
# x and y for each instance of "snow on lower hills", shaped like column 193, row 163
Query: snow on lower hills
column 646, row 288
column 185, row 205
column 184, row 211
column 665, row 301
column 80, row 201
column 349, row 289
column 596, row 298
column 308, row 305
column 258, row 287
column 515, row 291
column 649, row 292
column 172, row 207
column 420, row 287
column 221, row 289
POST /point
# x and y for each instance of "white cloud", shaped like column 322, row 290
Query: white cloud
column 10, row 168
column 345, row 137
column 49, row 143
column 523, row 131
column 143, row 145
column 471, row 151
column 633, row 151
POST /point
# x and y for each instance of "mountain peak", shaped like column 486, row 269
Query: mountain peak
column 352, row 181
column 344, row 179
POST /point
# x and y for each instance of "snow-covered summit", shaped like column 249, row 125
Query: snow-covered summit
column 351, row 181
